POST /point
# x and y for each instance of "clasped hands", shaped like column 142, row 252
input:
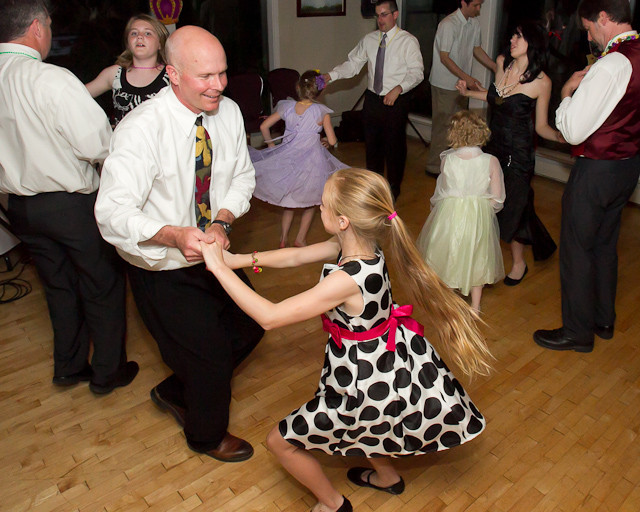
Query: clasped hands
column 190, row 241
column 464, row 87
column 214, row 256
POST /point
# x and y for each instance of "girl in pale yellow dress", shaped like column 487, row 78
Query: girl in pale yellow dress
column 460, row 239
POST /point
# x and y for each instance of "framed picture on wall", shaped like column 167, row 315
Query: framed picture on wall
column 321, row 8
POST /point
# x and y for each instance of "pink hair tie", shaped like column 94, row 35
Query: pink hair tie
column 393, row 215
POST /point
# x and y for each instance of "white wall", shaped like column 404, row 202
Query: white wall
column 318, row 43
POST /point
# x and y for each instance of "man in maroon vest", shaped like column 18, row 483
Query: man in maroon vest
column 600, row 115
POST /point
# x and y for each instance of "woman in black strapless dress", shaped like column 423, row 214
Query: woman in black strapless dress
column 521, row 88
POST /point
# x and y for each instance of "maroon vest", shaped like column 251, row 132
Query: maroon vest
column 619, row 135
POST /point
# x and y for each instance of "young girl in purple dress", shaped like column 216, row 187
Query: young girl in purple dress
column 293, row 173
column 384, row 391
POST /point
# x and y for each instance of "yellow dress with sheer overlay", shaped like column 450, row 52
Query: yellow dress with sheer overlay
column 460, row 239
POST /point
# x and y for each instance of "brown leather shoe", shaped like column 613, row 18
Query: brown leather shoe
column 230, row 449
column 175, row 410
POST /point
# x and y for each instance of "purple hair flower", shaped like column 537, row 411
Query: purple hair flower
column 320, row 83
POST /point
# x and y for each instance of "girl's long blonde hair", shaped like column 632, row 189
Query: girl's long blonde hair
column 364, row 197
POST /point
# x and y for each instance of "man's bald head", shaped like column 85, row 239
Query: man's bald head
column 187, row 41
column 197, row 67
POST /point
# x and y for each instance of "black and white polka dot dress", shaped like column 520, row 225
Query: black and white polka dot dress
column 375, row 402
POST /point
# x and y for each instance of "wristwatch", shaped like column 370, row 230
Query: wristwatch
column 225, row 225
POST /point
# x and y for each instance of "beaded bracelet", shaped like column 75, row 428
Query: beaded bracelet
column 254, row 262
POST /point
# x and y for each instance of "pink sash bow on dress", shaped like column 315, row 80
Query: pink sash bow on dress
column 400, row 315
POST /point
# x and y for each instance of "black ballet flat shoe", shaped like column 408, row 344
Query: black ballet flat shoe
column 509, row 281
column 556, row 339
column 431, row 173
column 603, row 331
column 356, row 476
column 346, row 506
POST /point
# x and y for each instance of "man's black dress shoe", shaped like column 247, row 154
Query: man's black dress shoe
column 603, row 331
column 178, row 412
column 431, row 173
column 556, row 340
column 230, row 449
column 70, row 380
column 124, row 377
column 509, row 281
column 357, row 476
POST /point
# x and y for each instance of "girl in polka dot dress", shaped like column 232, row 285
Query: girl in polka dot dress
column 384, row 391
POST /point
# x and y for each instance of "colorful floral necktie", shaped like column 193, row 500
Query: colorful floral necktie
column 203, row 176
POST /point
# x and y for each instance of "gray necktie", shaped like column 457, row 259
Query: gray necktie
column 377, row 77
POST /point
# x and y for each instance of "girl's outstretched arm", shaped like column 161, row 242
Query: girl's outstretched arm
column 103, row 82
column 335, row 289
column 288, row 257
column 464, row 90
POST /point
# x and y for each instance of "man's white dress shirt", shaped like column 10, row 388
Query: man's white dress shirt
column 52, row 132
column 148, row 180
column 403, row 64
column 457, row 36
column 601, row 89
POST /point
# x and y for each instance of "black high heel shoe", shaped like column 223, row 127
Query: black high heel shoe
column 509, row 281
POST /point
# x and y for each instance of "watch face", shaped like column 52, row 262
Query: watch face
column 225, row 225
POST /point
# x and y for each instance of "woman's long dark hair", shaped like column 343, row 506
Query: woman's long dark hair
column 533, row 34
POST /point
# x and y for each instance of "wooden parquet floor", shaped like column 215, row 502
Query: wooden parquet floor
column 562, row 431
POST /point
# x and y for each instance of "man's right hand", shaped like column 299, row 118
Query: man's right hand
column 572, row 84
column 186, row 239
column 326, row 77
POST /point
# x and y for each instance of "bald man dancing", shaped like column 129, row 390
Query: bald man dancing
column 179, row 173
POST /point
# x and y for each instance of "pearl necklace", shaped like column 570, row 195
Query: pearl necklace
column 616, row 42
column 504, row 90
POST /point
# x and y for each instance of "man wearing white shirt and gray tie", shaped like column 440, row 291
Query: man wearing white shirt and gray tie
column 394, row 68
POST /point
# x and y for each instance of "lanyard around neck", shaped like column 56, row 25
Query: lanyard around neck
column 21, row 53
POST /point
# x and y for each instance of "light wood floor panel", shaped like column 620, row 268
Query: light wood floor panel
column 562, row 431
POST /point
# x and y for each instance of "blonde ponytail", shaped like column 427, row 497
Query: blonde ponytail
column 454, row 320
column 365, row 198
